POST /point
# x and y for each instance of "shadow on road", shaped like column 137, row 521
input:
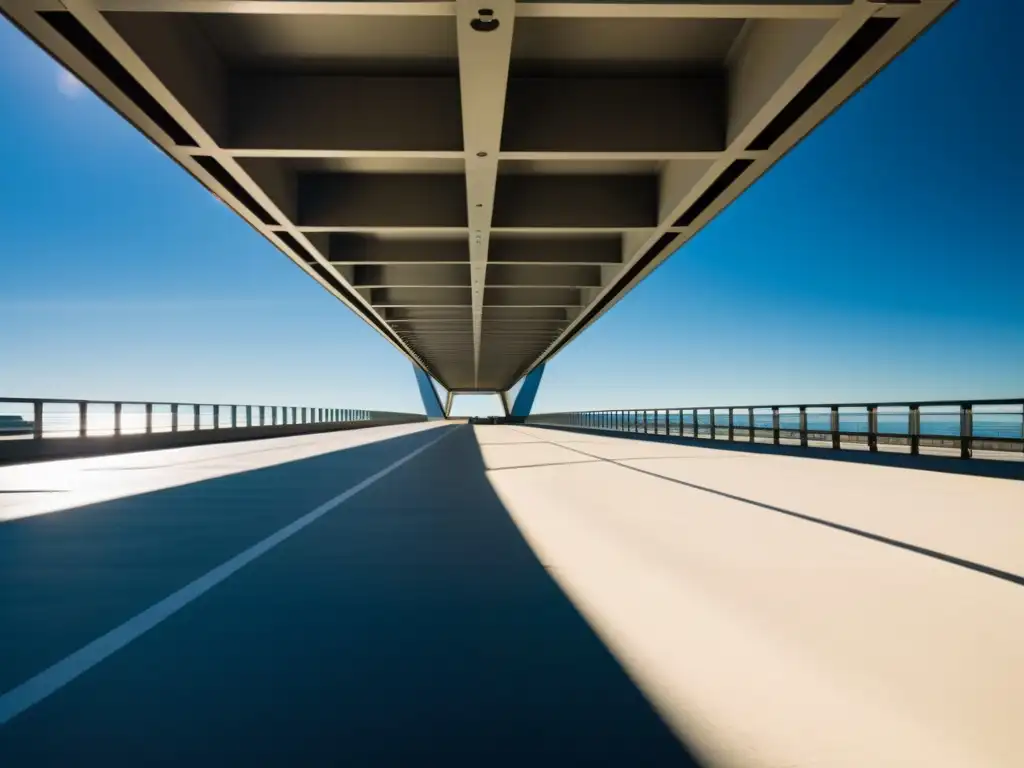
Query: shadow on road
column 410, row 625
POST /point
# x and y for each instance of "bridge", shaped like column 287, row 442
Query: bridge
column 479, row 182
column 215, row 583
column 496, row 594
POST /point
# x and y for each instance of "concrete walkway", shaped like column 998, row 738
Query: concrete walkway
column 788, row 611
column 498, row 595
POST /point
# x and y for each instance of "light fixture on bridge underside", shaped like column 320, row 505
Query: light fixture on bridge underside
column 485, row 21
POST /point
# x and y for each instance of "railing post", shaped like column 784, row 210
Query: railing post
column 696, row 429
column 730, row 426
column 873, row 427
column 195, row 417
column 834, row 426
column 775, row 424
column 668, row 422
column 803, row 426
column 234, row 416
column 914, row 427
column 262, row 415
column 174, row 417
column 711, row 415
column 248, row 415
column 303, row 415
column 37, row 420
column 83, row 418
column 645, row 421
column 966, row 430
column 149, row 418
column 680, row 422
column 216, row 417
column 750, row 425
column 117, row 419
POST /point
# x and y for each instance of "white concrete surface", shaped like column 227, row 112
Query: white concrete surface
column 770, row 641
column 38, row 488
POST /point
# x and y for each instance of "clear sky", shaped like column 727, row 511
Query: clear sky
column 882, row 259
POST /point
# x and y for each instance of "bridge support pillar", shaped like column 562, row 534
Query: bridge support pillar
column 523, row 404
column 431, row 402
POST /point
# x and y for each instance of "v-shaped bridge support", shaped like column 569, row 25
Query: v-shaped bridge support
column 431, row 402
column 527, row 394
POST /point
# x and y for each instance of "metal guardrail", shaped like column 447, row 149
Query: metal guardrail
column 995, row 427
column 54, row 418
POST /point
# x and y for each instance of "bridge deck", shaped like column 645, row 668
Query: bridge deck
column 461, row 605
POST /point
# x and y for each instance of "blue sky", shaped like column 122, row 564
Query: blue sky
column 879, row 260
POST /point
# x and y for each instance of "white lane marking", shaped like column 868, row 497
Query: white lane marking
column 34, row 690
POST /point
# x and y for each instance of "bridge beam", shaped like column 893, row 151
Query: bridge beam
column 420, row 166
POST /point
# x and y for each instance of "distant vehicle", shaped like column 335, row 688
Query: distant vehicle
column 483, row 420
column 15, row 425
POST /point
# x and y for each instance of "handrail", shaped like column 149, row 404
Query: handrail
column 865, row 404
column 84, row 422
column 963, row 432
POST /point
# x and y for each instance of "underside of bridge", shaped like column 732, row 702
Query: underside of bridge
column 478, row 180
